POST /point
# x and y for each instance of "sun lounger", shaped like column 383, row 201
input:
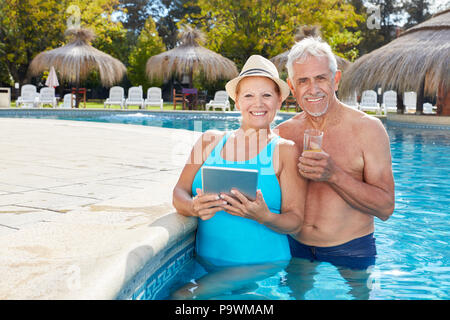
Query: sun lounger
column 135, row 98
column 154, row 97
column 116, row 97
column 220, row 101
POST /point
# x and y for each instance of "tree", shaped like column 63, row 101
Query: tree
column 135, row 14
column 240, row 28
column 168, row 14
column 418, row 11
column 148, row 44
column 32, row 26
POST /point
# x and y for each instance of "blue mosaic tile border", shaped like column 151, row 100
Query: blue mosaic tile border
column 160, row 269
column 394, row 124
column 150, row 289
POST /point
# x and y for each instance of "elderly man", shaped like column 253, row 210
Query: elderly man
column 350, row 180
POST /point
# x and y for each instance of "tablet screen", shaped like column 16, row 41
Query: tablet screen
column 222, row 180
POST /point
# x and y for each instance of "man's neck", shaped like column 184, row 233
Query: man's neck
column 324, row 120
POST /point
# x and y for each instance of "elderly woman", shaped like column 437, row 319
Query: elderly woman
column 236, row 231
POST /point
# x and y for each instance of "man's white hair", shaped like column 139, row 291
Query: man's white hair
column 310, row 46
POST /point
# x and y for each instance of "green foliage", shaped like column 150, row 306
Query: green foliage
column 148, row 44
column 30, row 27
column 167, row 15
column 240, row 28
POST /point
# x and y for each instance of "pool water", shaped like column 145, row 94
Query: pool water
column 175, row 120
column 413, row 245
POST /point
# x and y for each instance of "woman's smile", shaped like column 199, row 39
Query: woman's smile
column 258, row 113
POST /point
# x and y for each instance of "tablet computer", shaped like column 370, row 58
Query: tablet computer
column 222, row 180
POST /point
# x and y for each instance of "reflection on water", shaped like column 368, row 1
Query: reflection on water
column 297, row 279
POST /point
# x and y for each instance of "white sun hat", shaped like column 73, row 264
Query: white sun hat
column 258, row 66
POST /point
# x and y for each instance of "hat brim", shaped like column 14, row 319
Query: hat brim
column 231, row 85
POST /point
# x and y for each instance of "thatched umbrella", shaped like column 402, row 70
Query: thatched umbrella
column 306, row 31
column 190, row 58
column 418, row 60
column 77, row 59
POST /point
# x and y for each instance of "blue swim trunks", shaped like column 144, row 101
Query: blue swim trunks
column 358, row 253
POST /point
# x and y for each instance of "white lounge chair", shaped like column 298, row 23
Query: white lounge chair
column 135, row 98
column 369, row 102
column 409, row 101
column 28, row 96
column 352, row 101
column 428, row 108
column 46, row 96
column 220, row 101
column 116, row 97
column 154, row 98
column 69, row 101
column 389, row 101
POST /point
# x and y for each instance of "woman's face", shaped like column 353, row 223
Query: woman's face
column 258, row 99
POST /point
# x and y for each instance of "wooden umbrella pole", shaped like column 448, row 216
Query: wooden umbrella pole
column 77, row 101
column 420, row 96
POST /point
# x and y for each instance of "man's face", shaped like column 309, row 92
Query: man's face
column 313, row 85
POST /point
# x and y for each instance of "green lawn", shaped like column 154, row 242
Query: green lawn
column 99, row 105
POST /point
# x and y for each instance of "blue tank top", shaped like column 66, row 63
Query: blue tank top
column 230, row 240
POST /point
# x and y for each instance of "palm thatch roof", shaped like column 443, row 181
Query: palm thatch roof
column 77, row 59
column 190, row 58
column 419, row 57
column 303, row 32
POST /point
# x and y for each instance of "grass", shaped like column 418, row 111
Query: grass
column 99, row 105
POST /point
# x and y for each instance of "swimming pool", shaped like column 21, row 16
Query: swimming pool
column 413, row 245
column 413, row 251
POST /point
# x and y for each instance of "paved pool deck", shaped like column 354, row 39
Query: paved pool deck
column 78, row 200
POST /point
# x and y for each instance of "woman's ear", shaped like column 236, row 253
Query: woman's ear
column 280, row 103
column 236, row 104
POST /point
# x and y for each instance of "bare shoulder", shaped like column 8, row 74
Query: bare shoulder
column 363, row 122
column 370, row 130
column 211, row 137
column 204, row 145
column 292, row 122
column 286, row 144
column 288, row 149
column 213, row 134
column 287, row 129
column 372, row 126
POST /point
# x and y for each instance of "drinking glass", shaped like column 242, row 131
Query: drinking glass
column 312, row 140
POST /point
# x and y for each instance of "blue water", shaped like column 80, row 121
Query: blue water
column 175, row 120
column 413, row 245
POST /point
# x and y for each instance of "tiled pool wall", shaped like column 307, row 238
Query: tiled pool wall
column 148, row 282
column 419, row 121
